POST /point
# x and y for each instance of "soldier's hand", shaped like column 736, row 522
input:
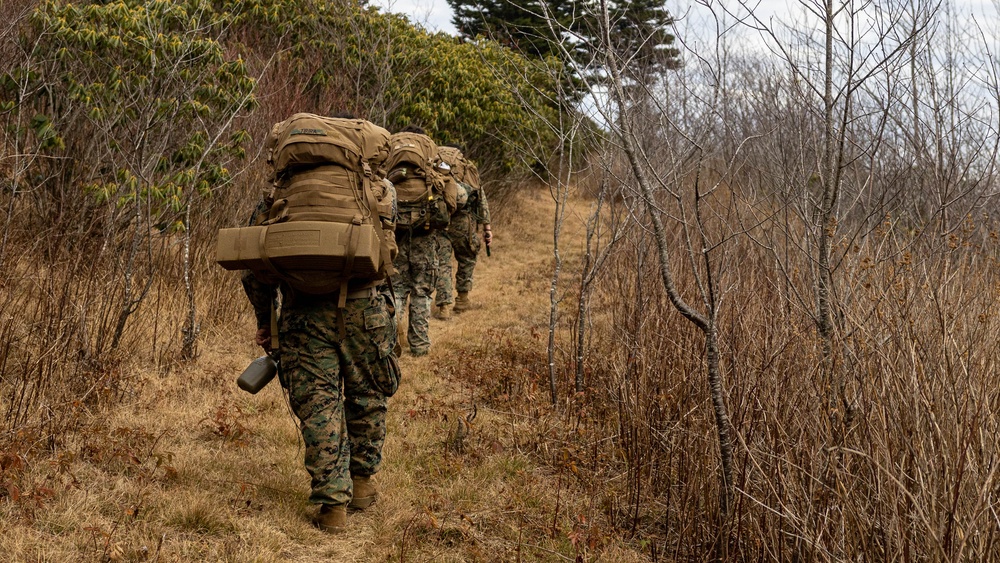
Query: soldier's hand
column 487, row 235
column 263, row 338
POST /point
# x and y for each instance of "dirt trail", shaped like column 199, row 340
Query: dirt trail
column 429, row 488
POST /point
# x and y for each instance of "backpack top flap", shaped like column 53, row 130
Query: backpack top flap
column 306, row 139
column 462, row 169
column 413, row 150
column 454, row 158
column 471, row 174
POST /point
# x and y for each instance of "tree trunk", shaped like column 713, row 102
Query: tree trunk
column 189, row 346
column 722, row 422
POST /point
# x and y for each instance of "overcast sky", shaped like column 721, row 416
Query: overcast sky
column 435, row 15
column 696, row 25
column 695, row 19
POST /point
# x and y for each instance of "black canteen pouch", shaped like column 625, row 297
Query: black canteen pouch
column 394, row 376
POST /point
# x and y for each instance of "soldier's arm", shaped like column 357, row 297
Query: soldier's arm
column 261, row 296
column 484, row 218
column 484, row 209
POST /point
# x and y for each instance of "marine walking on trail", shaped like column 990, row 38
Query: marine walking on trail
column 462, row 236
column 427, row 198
column 351, row 209
column 336, row 335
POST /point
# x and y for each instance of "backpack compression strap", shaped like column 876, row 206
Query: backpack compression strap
column 385, row 263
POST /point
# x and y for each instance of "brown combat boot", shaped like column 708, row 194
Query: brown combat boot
column 462, row 302
column 332, row 519
column 365, row 494
column 443, row 312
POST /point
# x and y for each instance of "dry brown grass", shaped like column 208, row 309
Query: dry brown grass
column 168, row 461
column 187, row 467
column 900, row 470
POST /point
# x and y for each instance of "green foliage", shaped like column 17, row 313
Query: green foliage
column 45, row 132
column 139, row 90
column 147, row 87
column 382, row 67
column 466, row 93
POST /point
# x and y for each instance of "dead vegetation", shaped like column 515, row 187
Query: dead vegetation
column 170, row 461
column 185, row 466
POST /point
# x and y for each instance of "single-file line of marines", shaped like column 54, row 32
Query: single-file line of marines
column 357, row 230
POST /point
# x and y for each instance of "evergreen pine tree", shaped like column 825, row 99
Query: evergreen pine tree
column 640, row 28
column 641, row 32
column 518, row 24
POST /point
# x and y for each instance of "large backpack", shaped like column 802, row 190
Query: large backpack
column 329, row 224
column 464, row 171
column 426, row 197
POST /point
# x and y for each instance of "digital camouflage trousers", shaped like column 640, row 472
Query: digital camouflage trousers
column 444, row 291
column 338, row 387
column 416, row 271
column 465, row 242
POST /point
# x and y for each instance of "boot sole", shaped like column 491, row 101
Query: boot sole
column 325, row 523
column 361, row 503
column 332, row 529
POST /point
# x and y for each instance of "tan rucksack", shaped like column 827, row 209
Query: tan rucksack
column 466, row 174
column 427, row 198
column 306, row 139
column 463, row 169
column 329, row 226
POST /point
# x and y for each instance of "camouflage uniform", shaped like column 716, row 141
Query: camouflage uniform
column 337, row 386
column 444, row 291
column 463, row 232
column 414, row 162
column 416, row 270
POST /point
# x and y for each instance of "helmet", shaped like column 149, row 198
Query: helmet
column 463, row 195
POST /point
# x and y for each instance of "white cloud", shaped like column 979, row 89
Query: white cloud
column 434, row 15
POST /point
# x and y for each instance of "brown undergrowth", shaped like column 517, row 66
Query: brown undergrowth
column 184, row 466
column 141, row 458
